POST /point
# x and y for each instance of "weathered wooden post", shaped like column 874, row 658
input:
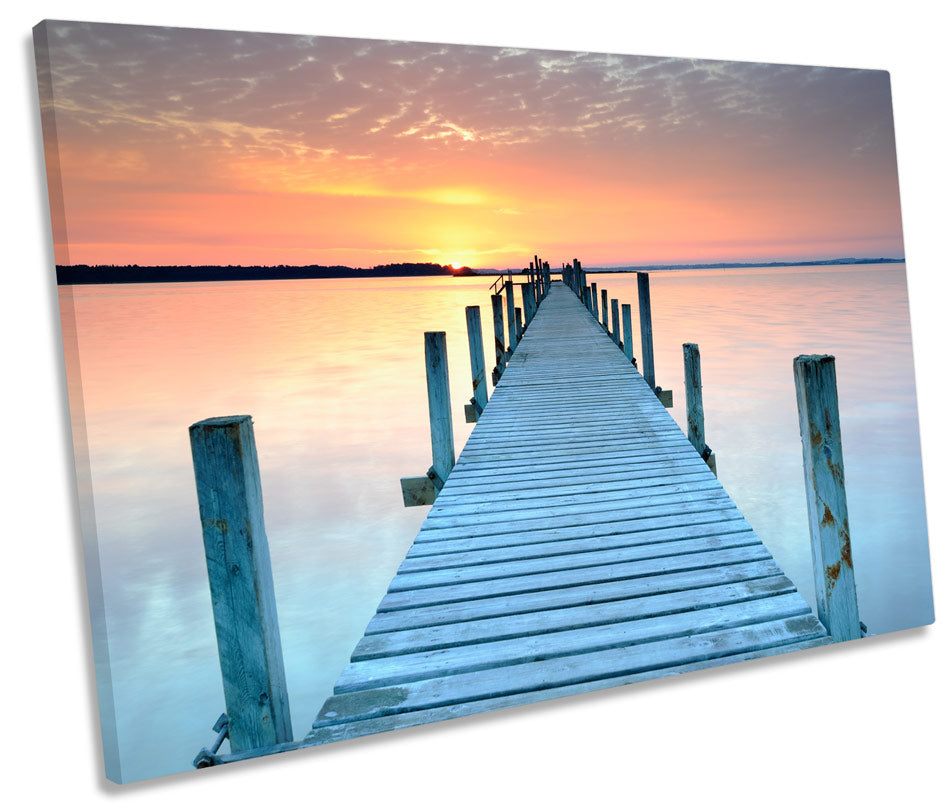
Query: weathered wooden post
column 476, row 354
column 422, row 490
column 615, row 320
column 627, row 333
column 587, row 297
column 603, row 306
column 527, row 302
column 231, row 508
column 498, row 318
column 646, row 329
column 593, row 297
column 513, row 333
column 695, row 419
column 817, row 392
column 519, row 327
column 440, row 412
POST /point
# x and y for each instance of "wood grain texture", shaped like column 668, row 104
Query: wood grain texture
column 498, row 323
column 817, row 392
column 627, row 332
column 476, row 354
column 695, row 419
column 440, row 410
column 513, row 328
column 231, row 507
column 646, row 329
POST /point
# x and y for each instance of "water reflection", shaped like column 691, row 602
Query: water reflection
column 333, row 373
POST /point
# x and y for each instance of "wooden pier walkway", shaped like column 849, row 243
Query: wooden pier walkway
column 580, row 542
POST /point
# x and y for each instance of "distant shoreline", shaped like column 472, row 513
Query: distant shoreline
column 152, row 274
column 718, row 266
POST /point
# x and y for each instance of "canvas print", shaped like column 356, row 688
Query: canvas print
column 410, row 381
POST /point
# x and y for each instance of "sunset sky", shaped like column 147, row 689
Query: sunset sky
column 178, row 146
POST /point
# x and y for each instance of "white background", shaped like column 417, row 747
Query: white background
column 865, row 722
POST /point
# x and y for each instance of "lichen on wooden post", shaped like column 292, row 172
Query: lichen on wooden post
column 646, row 329
column 476, row 353
column 817, row 392
column 231, row 507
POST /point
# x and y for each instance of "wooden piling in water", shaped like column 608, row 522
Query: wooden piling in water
column 817, row 392
column 615, row 321
column 603, row 307
column 527, row 303
column 519, row 326
column 513, row 333
column 695, row 418
column 440, row 412
column 476, row 353
column 593, row 297
column 627, row 332
column 498, row 319
column 231, row 508
column 646, row 329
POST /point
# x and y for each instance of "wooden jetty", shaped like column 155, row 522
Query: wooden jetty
column 580, row 540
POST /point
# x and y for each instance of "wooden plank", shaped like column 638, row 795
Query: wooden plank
column 396, row 669
column 817, row 392
column 705, row 501
column 433, row 638
column 594, row 504
column 417, row 491
column 577, row 493
column 516, row 585
column 573, row 670
column 577, row 558
column 574, row 595
column 714, row 534
column 498, row 547
column 568, row 484
column 231, row 508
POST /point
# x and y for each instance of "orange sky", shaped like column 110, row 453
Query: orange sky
column 178, row 146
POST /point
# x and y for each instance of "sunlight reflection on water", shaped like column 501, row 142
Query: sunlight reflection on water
column 332, row 372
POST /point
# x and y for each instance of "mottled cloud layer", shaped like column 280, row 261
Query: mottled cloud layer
column 186, row 145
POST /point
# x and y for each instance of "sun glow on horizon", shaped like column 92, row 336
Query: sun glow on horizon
column 344, row 151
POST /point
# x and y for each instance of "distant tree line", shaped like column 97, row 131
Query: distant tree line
column 115, row 274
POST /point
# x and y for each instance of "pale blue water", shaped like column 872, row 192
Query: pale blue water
column 332, row 372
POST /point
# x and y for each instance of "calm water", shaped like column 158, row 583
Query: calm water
column 332, row 372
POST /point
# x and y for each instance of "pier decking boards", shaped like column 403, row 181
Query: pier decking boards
column 580, row 542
